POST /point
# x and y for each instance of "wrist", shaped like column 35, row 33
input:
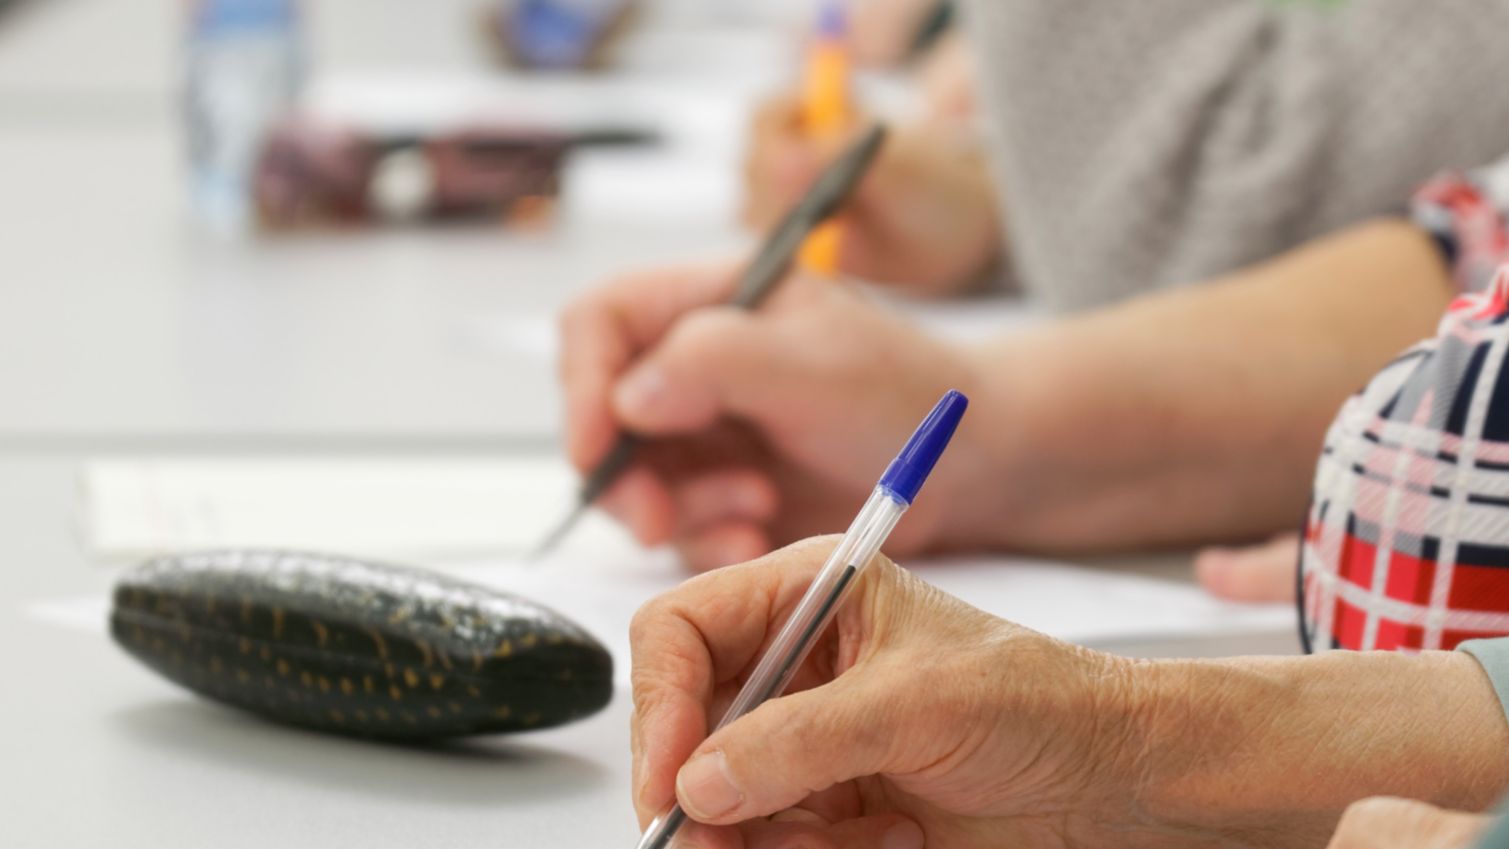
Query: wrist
column 1003, row 481
column 1192, row 728
column 976, row 473
column 1271, row 751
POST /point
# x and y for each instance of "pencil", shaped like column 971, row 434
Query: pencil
column 826, row 116
column 770, row 265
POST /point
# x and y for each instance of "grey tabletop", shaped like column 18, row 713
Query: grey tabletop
column 123, row 320
column 122, row 329
column 95, row 750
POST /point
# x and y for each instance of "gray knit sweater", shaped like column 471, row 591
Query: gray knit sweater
column 1149, row 143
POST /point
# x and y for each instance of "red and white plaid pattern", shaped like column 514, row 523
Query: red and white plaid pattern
column 1466, row 214
column 1406, row 546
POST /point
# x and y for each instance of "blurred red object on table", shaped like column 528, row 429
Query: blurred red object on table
column 314, row 173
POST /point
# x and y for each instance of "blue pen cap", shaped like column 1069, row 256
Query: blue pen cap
column 906, row 474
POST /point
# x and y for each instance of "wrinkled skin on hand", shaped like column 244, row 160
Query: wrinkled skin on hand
column 917, row 721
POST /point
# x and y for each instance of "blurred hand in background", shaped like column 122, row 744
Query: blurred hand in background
column 1266, row 571
column 884, row 32
column 924, row 220
column 763, row 427
column 949, row 81
column 1387, row 823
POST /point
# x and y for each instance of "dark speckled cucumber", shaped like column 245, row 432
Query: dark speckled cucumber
column 358, row 648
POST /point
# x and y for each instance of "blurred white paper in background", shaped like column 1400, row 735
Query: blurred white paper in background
column 404, row 101
column 471, row 517
column 424, row 508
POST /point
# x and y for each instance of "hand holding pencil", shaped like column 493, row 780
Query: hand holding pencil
column 748, row 420
column 924, row 220
column 755, row 283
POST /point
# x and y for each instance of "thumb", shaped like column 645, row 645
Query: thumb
column 786, row 750
column 1257, row 573
column 715, row 361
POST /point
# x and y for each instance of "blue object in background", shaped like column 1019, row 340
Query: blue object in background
column 243, row 68
column 559, row 34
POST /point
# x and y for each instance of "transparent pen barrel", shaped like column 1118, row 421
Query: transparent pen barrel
column 813, row 615
column 839, row 575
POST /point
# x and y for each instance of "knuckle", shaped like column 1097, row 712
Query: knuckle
column 646, row 698
column 646, row 619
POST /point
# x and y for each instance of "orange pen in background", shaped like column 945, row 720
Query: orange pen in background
column 826, row 116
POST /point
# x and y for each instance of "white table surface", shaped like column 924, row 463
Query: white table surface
column 96, row 750
column 120, row 318
column 123, row 321
column 121, row 329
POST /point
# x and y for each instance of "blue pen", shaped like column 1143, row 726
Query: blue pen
column 891, row 498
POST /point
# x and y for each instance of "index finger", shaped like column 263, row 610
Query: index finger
column 780, row 161
column 687, row 642
column 603, row 332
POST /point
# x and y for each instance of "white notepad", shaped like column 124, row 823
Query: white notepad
column 424, row 508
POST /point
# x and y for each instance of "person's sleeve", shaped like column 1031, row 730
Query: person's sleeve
column 1467, row 214
column 1493, row 656
column 1497, row 835
column 1167, row 141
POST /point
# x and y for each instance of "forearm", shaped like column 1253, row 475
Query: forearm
column 1270, row 751
column 1196, row 414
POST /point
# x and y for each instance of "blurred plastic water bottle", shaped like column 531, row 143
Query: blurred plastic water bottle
column 243, row 69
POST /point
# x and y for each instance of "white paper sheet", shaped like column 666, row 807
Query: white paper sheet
column 470, row 518
column 424, row 508
column 1084, row 606
column 433, row 101
column 602, row 590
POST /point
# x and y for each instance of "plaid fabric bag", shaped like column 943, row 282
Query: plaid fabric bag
column 1406, row 545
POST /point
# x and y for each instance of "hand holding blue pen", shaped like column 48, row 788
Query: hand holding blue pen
column 907, row 718
column 891, row 498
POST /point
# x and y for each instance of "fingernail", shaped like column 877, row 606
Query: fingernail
column 705, row 789
column 641, row 390
column 903, row 835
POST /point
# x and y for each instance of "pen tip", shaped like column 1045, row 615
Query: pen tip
column 556, row 534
